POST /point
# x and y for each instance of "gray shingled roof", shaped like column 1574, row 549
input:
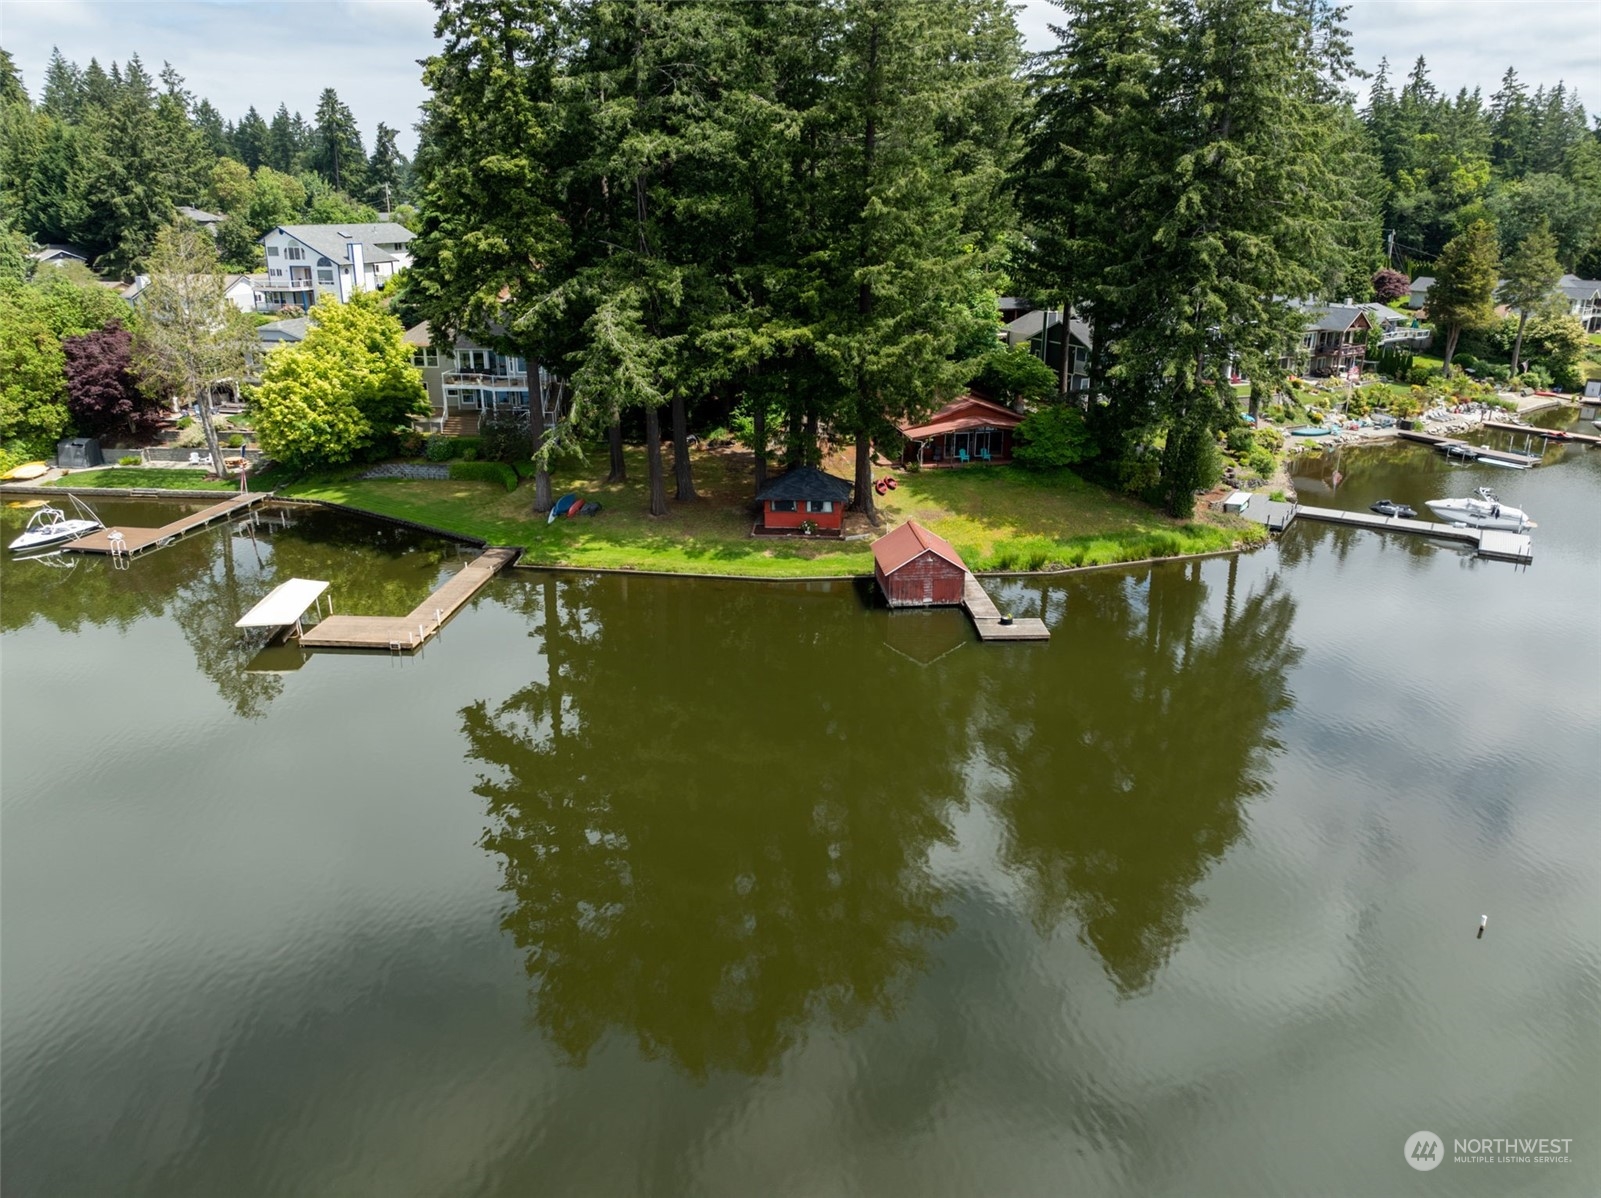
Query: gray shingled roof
column 1576, row 288
column 330, row 240
column 1032, row 324
column 806, row 482
column 277, row 332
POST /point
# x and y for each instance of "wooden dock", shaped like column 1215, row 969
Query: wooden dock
column 1559, row 436
column 122, row 539
column 987, row 617
column 411, row 631
column 1490, row 542
column 1478, row 451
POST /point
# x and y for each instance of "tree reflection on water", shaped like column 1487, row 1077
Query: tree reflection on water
column 1127, row 775
column 694, row 848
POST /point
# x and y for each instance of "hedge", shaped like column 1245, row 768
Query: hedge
column 485, row 472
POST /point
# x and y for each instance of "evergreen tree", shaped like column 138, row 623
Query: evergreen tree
column 490, row 237
column 336, row 152
column 128, row 197
column 1463, row 294
column 251, row 139
column 63, row 96
column 283, row 147
column 214, row 136
column 11, row 89
column 386, row 171
column 1532, row 272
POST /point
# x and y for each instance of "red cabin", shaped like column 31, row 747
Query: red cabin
column 915, row 568
column 801, row 495
column 965, row 430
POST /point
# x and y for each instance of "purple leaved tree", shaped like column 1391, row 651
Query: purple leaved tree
column 103, row 392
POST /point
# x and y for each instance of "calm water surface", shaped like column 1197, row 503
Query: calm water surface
column 643, row 886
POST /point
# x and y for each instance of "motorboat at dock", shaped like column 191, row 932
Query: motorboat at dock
column 52, row 526
column 1481, row 510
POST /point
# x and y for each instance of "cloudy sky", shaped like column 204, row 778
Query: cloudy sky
column 242, row 52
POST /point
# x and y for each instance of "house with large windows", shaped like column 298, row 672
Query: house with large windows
column 467, row 381
column 307, row 262
column 1583, row 300
column 1042, row 331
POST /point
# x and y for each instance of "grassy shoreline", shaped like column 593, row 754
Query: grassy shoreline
column 1000, row 518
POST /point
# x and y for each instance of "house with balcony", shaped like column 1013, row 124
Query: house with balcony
column 1335, row 339
column 1583, row 299
column 467, row 381
column 307, row 262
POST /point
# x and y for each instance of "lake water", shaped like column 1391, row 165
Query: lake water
column 653, row 886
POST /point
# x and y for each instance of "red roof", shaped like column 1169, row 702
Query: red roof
column 967, row 411
column 911, row 540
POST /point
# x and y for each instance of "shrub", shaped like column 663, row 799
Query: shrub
column 1053, row 437
column 185, row 422
column 1240, row 440
column 468, row 453
column 525, row 467
column 913, row 466
column 410, row 444
column 468, row 470
column 439, row 449
column 236, row 441
column 130, row 459
column 503, row 438
column 1269, row 439
column 1390, row 285
column 1262, row 462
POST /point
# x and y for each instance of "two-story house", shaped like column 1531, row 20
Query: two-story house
column 1041, row 330
column 1335, row 338
column 1583, row 299
column 307, row 262
column 467, row 381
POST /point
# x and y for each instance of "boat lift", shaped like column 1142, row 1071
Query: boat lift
column 285, row 606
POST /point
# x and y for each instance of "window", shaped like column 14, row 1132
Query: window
column 426, row 356
column 272, row 251
column 294, row 253
column 325, row 277
column 783, row 505
column 819, row 505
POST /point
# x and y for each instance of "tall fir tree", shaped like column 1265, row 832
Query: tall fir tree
column 336, row 152
column 1463, row 295
column 1532, row 272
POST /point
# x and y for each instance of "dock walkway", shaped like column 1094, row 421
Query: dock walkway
column 1561, row 436
column 412, row 630
column 1479, row 451
column 987, row 617
column 1490, row 542
column 136, row 540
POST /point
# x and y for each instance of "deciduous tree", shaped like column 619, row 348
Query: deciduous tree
column 1532, row 273
column 104, row 394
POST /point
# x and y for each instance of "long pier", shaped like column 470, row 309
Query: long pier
column 124, row 539
column 1478, row 451
column 1559, row 435
column 1490, row 542
column 987, row 617
column 411, row 631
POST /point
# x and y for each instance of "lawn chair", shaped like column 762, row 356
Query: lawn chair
column 984, row 454
column 961, row 456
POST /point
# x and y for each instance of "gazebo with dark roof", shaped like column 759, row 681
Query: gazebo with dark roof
column 804, row 494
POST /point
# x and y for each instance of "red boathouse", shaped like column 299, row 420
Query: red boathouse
column 915, row 568
column 803, row 494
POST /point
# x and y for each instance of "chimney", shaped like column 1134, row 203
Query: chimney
column 358, row 270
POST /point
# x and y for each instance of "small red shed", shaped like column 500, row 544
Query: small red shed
column 915, row 568
column 803, row 494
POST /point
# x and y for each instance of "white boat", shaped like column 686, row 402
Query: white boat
column 1481, row 510
column 50, row 526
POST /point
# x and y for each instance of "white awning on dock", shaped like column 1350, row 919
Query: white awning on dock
column 284, row 605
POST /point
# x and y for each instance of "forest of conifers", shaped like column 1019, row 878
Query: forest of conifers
column 809, row 207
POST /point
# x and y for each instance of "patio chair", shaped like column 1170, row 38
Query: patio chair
column 961, row 456
column 984, row 454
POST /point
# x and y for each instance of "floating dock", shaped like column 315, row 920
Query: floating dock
column 285, row 605
column 411, row 631
column 1560, row 436
column 123, row 540
column 1490, row 542
column 1482, row 452
column 987, row 617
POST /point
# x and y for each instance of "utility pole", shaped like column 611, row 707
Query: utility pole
column 1389, row 246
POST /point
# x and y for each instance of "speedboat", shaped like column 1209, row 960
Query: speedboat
column 1481, row 510
column 50, row 526
column 1388, row 507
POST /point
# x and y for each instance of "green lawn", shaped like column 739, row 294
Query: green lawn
column 997, row 517
column 175, row 479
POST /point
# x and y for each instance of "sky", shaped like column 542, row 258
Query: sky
column 242, row 52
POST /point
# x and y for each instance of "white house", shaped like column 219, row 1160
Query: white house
column 307, row 262
column 240, row 290
column 1583, row 298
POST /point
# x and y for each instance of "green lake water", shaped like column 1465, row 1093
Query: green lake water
column 654, row 886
